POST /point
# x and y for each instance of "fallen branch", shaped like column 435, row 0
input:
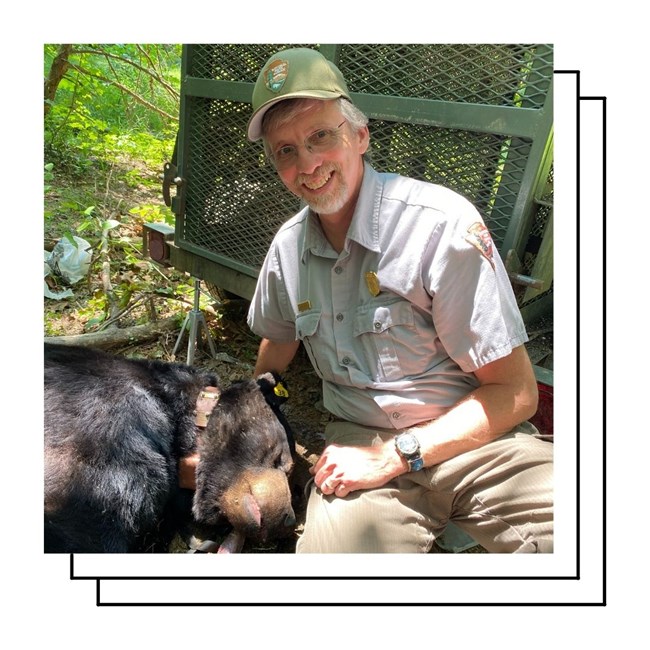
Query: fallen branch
column 111, row 338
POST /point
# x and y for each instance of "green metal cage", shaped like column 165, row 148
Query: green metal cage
column 475, row 118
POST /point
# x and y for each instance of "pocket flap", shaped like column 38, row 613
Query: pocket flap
column 307, row 323
column 378, row 318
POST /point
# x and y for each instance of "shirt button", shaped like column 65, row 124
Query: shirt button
column 339, row 317
column 396, row 415
column 338, row 270
column 377, row 325
column 345, row 361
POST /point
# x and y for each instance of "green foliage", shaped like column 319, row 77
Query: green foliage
column 94, row 311
column 112, row 98
column 150, row 213
column 151, row 151
column 109, row 128
column 48, row 175
column 95, row 223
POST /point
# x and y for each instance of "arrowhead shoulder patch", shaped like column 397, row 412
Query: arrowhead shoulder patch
column 479, row 237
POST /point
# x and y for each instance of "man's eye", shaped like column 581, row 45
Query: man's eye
column 284, row 152
column 323, row 134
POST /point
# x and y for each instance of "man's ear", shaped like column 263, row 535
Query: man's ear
column 364, row 139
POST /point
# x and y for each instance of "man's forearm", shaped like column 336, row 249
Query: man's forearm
column 275, row 356
column 484, row 415
column 506, row 397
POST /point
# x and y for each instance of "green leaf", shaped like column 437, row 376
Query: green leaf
column 69, row 236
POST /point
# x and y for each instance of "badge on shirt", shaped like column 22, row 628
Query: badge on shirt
column 305, row 305
column 479, row 236
column 372, row 281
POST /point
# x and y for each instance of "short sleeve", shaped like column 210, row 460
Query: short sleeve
column 269, row 314
column 473, row 305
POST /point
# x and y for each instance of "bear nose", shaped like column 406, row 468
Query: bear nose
column 290, row 520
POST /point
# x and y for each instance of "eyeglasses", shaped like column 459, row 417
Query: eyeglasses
column 318, row 142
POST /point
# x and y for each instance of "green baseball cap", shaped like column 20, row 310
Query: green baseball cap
column 290, row 74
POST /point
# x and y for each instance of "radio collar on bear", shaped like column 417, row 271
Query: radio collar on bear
column 205, row 403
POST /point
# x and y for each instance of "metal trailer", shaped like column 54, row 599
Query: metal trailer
column 475, row 118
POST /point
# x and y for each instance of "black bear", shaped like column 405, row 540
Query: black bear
column 115, row 429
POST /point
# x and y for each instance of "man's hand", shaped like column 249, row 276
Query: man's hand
column 341, row 470
column 187, row 471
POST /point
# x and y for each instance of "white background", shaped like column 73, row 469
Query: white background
column 41, row 604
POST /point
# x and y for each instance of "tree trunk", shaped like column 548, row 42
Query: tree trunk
column 112, row 338
column 59, row 67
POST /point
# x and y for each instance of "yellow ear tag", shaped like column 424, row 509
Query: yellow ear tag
column 280, row 390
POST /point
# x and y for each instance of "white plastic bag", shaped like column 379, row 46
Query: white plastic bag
column 69, row 262
column 47, row 292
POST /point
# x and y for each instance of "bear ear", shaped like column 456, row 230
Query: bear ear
column 273, row 387
column 266, row 382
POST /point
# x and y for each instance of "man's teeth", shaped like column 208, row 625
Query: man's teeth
column 317, row 184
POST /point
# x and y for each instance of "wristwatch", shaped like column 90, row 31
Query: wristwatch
column 408, row 447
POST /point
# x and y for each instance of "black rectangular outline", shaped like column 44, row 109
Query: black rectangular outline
column 576, row 577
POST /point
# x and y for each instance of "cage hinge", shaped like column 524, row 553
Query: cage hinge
column 170, row 177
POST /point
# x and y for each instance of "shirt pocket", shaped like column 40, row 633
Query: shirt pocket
column 384, row 333
column 307, row 325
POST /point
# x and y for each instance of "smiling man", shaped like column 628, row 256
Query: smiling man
column 403, row 305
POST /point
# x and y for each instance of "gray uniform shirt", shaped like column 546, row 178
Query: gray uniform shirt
column 397, row 322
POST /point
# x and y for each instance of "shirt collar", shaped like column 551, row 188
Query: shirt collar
column 314, row 240
column 364, row 228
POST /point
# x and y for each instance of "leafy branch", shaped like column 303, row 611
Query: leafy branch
column 124, row 89
column 151, row 71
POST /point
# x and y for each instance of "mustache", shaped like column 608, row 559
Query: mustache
column 324, row 170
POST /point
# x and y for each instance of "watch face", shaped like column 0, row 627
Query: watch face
column 407, row 444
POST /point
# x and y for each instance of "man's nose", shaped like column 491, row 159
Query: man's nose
column 307, row 161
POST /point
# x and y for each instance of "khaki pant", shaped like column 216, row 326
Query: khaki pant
column 500, row 494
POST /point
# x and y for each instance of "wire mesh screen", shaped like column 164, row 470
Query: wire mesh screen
column 464, row 161
column 541, row 227
column 498, row 75
column 234, row 202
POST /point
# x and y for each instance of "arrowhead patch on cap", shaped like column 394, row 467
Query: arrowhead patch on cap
column 276, row 74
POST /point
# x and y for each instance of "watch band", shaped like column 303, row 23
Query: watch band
column 415, row 464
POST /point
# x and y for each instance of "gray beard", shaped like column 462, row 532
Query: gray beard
column 330, row 204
